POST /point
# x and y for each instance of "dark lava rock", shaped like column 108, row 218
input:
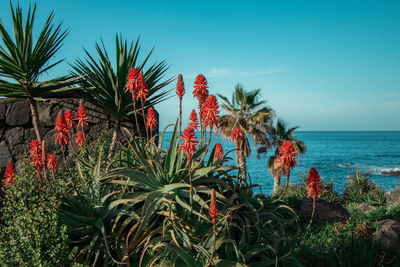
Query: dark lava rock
column 5, row 155
column 324, row 211
column 3, row 108
column 18, row 113
column 391, row 173
column 392, row 198
column 14, row 136
column 388, row 234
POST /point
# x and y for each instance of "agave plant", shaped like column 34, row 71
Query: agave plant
column 104, row 83
column 23, row 60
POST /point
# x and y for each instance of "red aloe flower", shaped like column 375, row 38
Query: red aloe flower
column 189, row 141
column 200, row 90
column 213, row 207
column 314, row 184
column 69, row 120
column 10, row 173
column 218, row 153
column 151, row 119
column 81, row 115
column 193, row 120
column 209, row 112
column 236, row 134
column 200, row 86
column 132, row 81
column 213, row 214
column 62, row 135
column 141, row 90
column 36, row 147
column 80, row 139
column 36, row 155
column 287, row 156
column 180, row 87
column 52, row 162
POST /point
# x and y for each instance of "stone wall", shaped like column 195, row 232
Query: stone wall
column 16, row 130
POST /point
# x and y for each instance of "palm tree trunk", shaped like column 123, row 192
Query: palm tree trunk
column 114, row 138
column 277, row 183
column 242, row 167
column 35, row 118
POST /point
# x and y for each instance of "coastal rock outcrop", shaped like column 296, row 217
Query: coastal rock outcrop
column 392, row 198
column 324, row 211
column 391, row 173
column 388, row 234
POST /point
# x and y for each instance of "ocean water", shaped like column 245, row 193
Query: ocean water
column 336, row 155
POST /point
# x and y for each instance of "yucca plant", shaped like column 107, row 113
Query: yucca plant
column 360, row 189
column 104, row 82
column 23, row 60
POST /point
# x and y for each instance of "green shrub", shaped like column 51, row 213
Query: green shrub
column 360, row 189
column 32, row 235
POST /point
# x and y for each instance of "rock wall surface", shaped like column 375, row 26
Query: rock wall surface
column 16, row 129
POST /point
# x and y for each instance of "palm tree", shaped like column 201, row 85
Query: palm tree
column 279, row 134
column 104, row 83
column 247, row 113
column 23, row 61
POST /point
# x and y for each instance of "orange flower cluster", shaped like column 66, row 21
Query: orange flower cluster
column 189, row 141
column 200, row 90
column 287, row 157
column 314, row 184
column 63, row 132
column 218, row 153
column 193, row 120
column 209, row 112
column 180, row 87
column 65, row 125
column 36, row 155
column 151, row 119
column 52, row 162
column 10, row 173
column 213, row 207
column 137, row 84
column 237, row 134
column 80, row 139
column 81, row 115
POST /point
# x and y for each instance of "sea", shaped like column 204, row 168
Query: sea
column 335, row 154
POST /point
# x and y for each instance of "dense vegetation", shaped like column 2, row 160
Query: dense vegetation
column 154, row 202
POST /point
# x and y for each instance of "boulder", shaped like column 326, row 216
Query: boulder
column 18, row 113
column 5, row 155
column 324, row 211
column 48, row 111
column 392, row 198
column 365, row 207
column 14, row 136
column 388, row 234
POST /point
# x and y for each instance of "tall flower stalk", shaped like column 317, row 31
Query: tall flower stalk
column 288, row 161
column 180, row 91
column 214, row 215
column 189, row 148
column 314, row 189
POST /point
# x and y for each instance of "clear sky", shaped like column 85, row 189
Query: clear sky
column 323, row 65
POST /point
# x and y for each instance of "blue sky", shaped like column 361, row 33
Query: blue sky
column 323, row 65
